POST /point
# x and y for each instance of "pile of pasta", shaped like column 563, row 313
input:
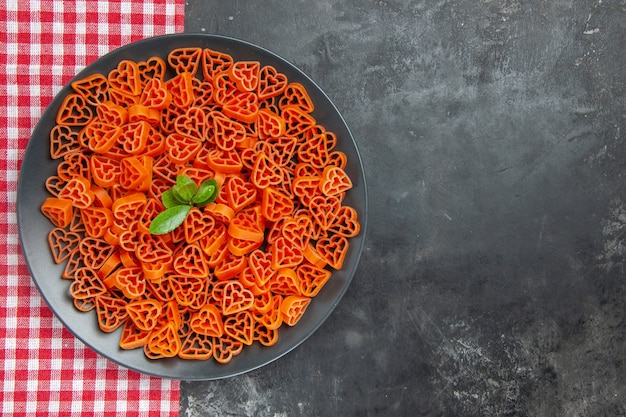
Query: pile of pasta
column 238, row 268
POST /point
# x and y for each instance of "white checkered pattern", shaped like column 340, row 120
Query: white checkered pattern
column 44, row 370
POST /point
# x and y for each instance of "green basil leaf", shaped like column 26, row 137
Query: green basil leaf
column 169, row 199
column 185, row 188
column 207, row 192
column 169, row 219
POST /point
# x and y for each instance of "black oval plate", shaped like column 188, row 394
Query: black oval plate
column 37, row 166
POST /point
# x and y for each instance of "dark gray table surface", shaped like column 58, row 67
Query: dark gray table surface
column 492, row 282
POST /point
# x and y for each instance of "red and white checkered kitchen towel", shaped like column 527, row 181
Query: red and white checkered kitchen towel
column 44, row 370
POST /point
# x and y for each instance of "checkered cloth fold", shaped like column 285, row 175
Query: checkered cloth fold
column 44, row 370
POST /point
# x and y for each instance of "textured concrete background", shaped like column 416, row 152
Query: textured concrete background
column 493, row 277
